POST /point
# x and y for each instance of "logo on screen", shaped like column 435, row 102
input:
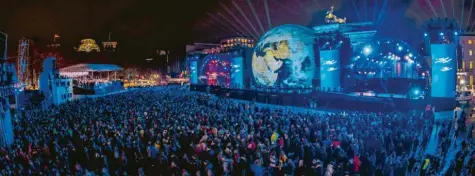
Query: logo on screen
column 443, row 60
column 445, row 69
column 330, row 62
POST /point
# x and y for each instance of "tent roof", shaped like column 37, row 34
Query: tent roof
column 91, row 68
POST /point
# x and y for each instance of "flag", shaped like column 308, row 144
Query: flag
column 274, row 137
column 56, row 36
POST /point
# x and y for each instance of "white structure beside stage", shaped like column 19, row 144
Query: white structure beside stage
column 7, row 90
column 57, row 90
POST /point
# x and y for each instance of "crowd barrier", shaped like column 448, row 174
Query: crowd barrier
column 331, row 100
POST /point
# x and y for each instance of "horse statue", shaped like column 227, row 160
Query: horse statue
column 331, row 18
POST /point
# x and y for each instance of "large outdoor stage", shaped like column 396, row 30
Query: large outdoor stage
column 332, row 100
column 336, row 65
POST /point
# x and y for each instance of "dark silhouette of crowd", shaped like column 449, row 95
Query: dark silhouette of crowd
column 172, row 131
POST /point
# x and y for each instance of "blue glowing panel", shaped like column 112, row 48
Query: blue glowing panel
column 329, row 69
column 237, row 74
column 194, row 72
column 284, row 57
column 444, row 65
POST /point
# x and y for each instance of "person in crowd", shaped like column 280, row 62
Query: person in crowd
column 171, row 131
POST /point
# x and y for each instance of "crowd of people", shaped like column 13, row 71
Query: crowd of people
column 173, row 131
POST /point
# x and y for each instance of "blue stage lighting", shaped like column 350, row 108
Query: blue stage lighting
column 417, row 92
column 441, row 33
column 367, row 50
column 410, row 55
column 456, row 33
column 425, row 34
column 400, row 48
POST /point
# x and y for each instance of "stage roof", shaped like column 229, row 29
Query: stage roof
column 90, row 68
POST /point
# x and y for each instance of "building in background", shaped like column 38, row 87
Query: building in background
column 199, row 47
column 176, row 68
column 466, row 72
column 160, row 60
column 109, row 45
column 236, row 42
column 52, row 50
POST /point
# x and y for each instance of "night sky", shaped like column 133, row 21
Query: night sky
column 143, row 26
column 140, row 26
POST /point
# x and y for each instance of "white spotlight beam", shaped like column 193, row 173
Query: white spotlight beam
column 472, row 25
column 237, row 20
column 469, row 15
column 443, row 8
column 267, row 13
column 432, row 7
column 255, row 14
column 302, row 6
column 245, row 17
column 224, row 30
column 453, row 9
column 385, row 3
column 317, row 4
column 365, row 10
column 356, row 9
column 420, row 14
column 232, row 27
column 374, row 10
column 463, row 8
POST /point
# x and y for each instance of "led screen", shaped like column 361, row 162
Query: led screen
column 444, row 65
column 330, row 69
column 284, row 57
column 194, row 72
column 237, row 74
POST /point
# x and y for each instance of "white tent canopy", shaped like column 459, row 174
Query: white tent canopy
column 84, row 69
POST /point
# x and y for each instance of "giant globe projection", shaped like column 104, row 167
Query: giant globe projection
column 284, row 57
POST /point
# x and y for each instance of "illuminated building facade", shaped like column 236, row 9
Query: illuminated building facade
column 237, row 42
column 88, row 45
column 465, row 72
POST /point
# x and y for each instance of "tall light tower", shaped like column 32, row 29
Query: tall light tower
column 23, row 63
